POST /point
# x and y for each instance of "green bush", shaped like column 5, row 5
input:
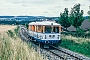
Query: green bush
column 10, row 33
column 16, row 30
column 79, row 32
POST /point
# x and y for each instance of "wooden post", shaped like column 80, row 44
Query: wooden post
column 35, row 28
column 29, row 28
column 43, row 29
column 59, row 29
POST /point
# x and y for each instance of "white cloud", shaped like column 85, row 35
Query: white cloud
column 39, row 7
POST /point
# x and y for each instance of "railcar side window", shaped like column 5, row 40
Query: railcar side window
column 48, row 29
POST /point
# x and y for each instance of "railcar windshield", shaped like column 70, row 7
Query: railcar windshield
column 48, row 29
column 56, row 29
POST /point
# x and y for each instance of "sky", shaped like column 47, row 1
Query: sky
column 40, row 7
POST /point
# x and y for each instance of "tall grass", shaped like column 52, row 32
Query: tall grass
column 15, row 48
column 80, row 44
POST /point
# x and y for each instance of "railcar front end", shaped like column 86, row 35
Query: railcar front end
column 45, row 32
column 45, row 38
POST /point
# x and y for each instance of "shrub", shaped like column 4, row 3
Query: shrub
column 80, row 32
column 10, row 33
column 16, row 30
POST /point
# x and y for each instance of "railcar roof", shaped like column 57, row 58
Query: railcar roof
column 44, row 23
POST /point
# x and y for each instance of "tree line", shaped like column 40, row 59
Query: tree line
column 74, row 18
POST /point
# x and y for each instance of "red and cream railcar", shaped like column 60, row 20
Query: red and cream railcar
column 46, row 32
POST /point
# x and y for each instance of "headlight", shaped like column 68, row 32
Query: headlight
column 53, row 36
column 58, row 36
column 49, row 35
column 41, row 37
column 45, row 36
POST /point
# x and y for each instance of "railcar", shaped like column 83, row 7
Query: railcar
column 44, row 32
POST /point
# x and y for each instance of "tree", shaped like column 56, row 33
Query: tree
column 26, row 25
column 76, row 16
column 89, row 13
column 64, row 19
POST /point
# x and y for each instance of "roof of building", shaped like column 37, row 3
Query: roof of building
column 45, row 23
column 85, row 25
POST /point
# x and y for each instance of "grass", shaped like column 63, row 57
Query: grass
column 80, row 45
column 13, row 48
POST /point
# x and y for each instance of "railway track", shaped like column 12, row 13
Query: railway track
column 56, row 52
column 62, row 54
